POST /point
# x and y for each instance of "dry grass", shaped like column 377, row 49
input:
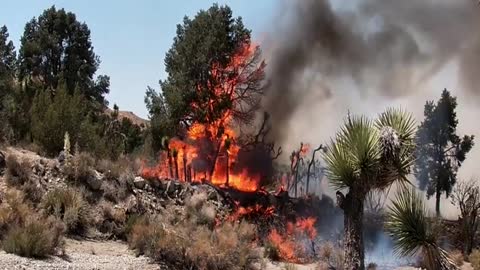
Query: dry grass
column 13, row 211
column 112, row 221
column 68, row 205
column 33, row 191
column 289, row 266
column 199, row 210
column 474, row 259
column 80, row 168
column 24, row 232
column 331, row 256
column 36, row 238
column 17, row 173
column 187, row 245
column 457, row 257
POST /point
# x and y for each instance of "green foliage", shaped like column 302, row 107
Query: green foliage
column 53, row 117
column 7, row 73
column 371, row 155
column 57, row 48
column 409, row 227
column 201, row 85
column 440, row 151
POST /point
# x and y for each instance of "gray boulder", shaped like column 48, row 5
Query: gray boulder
column 139, row 182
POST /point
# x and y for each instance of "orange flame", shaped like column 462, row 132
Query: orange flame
column 287, row 244
column 181, row 154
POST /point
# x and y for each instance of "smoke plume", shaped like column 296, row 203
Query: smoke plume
column 374, row 48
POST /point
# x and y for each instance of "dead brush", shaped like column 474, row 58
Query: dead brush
column 37, row 238
column 26, row 233
column 68, row 205
column 330, row 256
column 80, row 168
column 187, row 245
column 17, row 173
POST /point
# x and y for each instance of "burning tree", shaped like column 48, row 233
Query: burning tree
column 215, row 83
column 364, row 156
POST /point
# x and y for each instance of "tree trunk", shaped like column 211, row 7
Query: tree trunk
column 176, row 167
column 228, row 170
column 353, row 226
column 170, row 163
column 437, row 202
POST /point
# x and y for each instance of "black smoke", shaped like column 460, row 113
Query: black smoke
column 384, row 47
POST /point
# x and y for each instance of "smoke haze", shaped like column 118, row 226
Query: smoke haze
column 329, row 57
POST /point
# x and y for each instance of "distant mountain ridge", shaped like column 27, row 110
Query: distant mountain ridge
column 137, row 120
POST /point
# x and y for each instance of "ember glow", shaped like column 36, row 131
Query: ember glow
column 210, row 150
column 242, row 212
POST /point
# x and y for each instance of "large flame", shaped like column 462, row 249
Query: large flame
column 210, row 150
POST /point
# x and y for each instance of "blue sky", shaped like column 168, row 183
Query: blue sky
column 132, row 37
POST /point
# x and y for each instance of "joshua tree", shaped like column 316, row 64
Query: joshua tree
column 366, row 156
column 409, row 227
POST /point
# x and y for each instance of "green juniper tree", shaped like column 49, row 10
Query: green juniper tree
column 56, row 50
column 440, row 151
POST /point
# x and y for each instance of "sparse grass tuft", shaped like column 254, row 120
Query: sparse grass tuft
column 457, row 257
column 289, row 266
column 68, row 205
column 331, row 255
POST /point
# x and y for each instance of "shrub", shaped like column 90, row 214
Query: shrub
column 189, row 246
column 199, row 210
column 36, row 238
column 474, row 259
column 33, row 191
column 17, row 172
column 331, row 255
column 14, row 211
column 372, row 266
column 69, row 206
column 113, row 220
column 80, row 169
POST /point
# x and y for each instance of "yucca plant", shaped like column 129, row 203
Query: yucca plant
column 366, row 156
column 409, row 227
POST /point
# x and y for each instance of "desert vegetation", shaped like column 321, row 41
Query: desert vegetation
column 202, row 183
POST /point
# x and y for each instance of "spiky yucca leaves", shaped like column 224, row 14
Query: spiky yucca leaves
column 409, row 227
column 371, row 155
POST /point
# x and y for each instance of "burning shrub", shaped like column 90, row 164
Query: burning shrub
column 189, row 246
column 68, row 205
column 17, row 172
column 291, row 245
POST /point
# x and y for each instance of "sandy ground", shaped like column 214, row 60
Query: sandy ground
column 83, row 255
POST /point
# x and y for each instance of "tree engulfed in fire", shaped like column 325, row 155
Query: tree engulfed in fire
column 210, row 149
